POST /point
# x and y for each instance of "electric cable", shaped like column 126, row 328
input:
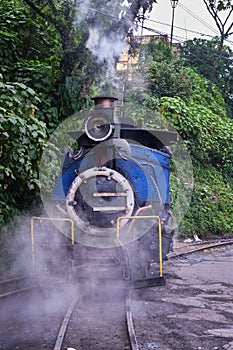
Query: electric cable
column 198, row 18
column 187, row 30
column 181, row 42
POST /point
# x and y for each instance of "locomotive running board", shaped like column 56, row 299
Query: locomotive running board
column 149, row 282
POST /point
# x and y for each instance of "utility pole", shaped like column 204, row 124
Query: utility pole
column 174, row 3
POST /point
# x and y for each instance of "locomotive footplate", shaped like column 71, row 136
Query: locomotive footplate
column 149, row 282
column 118, row 283
column 95, row 284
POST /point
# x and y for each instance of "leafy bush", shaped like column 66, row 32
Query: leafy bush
column 22, row 138
column 169, row 79
column 211, row 209
column 200, row 118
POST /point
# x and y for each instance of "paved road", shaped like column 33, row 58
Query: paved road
column 194, row 311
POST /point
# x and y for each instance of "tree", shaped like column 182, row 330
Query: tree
column 201, row 54
column 47, row 72
column 40, row 46
column 158, row 50
column 22, row 138
column 27, row 56
column 83, row 30
column 225, row 30
column 169, row 79
column 201, row 121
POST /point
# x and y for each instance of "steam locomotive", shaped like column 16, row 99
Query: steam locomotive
column 116, row 186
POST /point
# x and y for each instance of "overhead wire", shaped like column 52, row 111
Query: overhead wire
column 198, row 18
column 180, row 41
column 188, row 30
column 202, row 21
column 178, row 38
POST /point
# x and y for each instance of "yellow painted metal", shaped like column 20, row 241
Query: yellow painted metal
column 159, row 232
column 33, row 245
column 32, row 233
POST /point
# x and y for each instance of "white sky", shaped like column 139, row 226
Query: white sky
column 185, row 14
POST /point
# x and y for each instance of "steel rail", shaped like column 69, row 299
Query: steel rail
column 12, row 279
column 17, row 291
column 12, row 286
column 200, row 247
column 130, row 325
column 64, row 325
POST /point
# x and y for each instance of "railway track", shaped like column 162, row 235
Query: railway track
column 199, row 246
column 130, row 325
column 13, row 286
column 97, row 326
column 64, row 326
column 73, row 335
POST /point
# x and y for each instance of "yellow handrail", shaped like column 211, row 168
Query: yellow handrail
column 32, row 233
column 159, row 231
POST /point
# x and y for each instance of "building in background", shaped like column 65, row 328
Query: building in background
column 130, row 58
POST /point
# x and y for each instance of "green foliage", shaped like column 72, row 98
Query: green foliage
column 24, row 44
column 169, row 79
column 200, row 118
column 206, row 131
column 157, row 50
column 50, row 165
column 211, row 211
column 208, row 136
column 220, row 5
column 22, row 137
column 200, row 55
column 165, row 75
column 41, row 48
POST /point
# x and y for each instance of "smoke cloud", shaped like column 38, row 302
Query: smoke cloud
column 105, row 47
column 107, row 23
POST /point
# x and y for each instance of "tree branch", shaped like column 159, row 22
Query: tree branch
column 47, row 17
column 39, row 12
column 228, row 30
column 74, row 10
column 52, row 6
column 228, row 16
column 215, row 16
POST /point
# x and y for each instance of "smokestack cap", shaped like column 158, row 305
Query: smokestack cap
column 105, row 101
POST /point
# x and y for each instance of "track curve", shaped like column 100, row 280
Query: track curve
column 197, row 247
column 16, row 285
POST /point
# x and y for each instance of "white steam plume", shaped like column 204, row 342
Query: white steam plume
column 105, row 47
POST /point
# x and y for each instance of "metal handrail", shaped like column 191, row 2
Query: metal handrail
column 32, row 233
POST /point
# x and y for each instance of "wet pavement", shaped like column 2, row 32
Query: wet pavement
column 194, row 311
